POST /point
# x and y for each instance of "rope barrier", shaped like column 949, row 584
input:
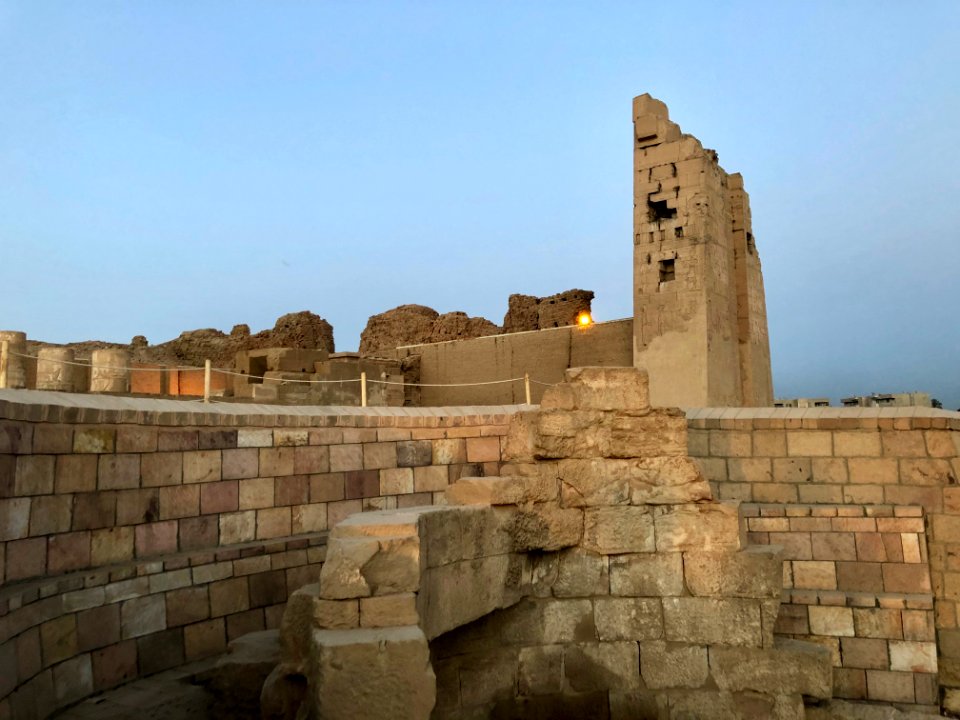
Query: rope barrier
column 408, row 384
column 280, row 381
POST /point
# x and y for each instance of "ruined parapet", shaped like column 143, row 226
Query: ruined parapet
column 596, row 576
column 14, row 372
column 700, row 326
column 55, row 370
column 110, row 371
column 528, row 312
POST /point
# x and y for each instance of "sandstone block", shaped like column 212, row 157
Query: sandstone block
column 541, row 670
column 831, row 621
column 502, row 490
column 546, row 527
column 612, row 530
column 654, row 480
column 791, row 667
column 602, row 666
column 483, row 449
column 600, row 388
column 142, row 616
column 756, row 572
column 662, row 432
column 575, row 434
column 368, row 674
column 547, row 622
column 914, row 657
column 646, row 574
column 360, row 567
column 201, row 466
column 666, row 665
column 704, row 526
column 711, row 621
column 581, row 573
column 628, row 618
column 449, row 452
column 520, row 442
column 389, row 611
column 455, row 594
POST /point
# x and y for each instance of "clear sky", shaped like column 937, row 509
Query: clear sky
column 172, row 165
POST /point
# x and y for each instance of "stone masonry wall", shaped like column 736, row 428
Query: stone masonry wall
column 872, row 457
column 136, row 534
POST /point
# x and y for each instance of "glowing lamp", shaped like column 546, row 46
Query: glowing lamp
column 584, row 319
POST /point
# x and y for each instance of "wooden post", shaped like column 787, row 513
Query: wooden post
column 4, row 359
column 206, row 380
column 526, row 386
column 363, row 389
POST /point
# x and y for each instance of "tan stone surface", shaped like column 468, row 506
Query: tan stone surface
column 369, row 674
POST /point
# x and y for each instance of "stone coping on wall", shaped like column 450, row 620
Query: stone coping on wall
column 46, row 406
column 828, row 418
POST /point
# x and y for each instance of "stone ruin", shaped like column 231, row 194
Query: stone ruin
column 597, row 577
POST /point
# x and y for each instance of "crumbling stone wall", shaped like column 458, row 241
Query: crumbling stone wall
column 598, row 577
column 415, row 324
column 528, row 312
column 303, row 330
column 700, row 325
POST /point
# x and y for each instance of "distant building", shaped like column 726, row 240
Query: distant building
column 801, row 402
column 914, row 399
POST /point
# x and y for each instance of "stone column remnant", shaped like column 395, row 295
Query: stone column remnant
column 16, row 371
column 53, row 369
column 110, row 371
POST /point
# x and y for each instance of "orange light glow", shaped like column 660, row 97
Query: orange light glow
column 584, row 319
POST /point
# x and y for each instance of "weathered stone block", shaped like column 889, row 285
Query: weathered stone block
column 546, row 527
column 791, row 667
column 602, row 666
column 711, row 621
column 756, row 572
column 575, row 434
column 654, row 480
column 520, row 442
column 599, row 388
column 458, row 593
column 662, row 432
column 611, row 530
column 666, row 665
column 628, row 618
column 547, row 622
column 389, row 611
column 541, row 670
column 502, row 490
column 646, row 574
column 368, row 674
column 705, row 526
column 581, row 573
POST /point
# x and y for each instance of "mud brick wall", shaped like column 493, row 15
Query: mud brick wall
column 860, row 456
column 857, row 580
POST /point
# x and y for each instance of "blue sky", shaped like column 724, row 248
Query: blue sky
column 175, row 165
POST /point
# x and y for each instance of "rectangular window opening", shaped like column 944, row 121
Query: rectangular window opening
column 659, row 211
column 668, row 270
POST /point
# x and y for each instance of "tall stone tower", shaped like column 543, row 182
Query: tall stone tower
column 699, row 319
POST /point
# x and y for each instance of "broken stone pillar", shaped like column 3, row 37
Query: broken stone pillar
column 16, row 376
column 53, row 369
column 110, row 371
